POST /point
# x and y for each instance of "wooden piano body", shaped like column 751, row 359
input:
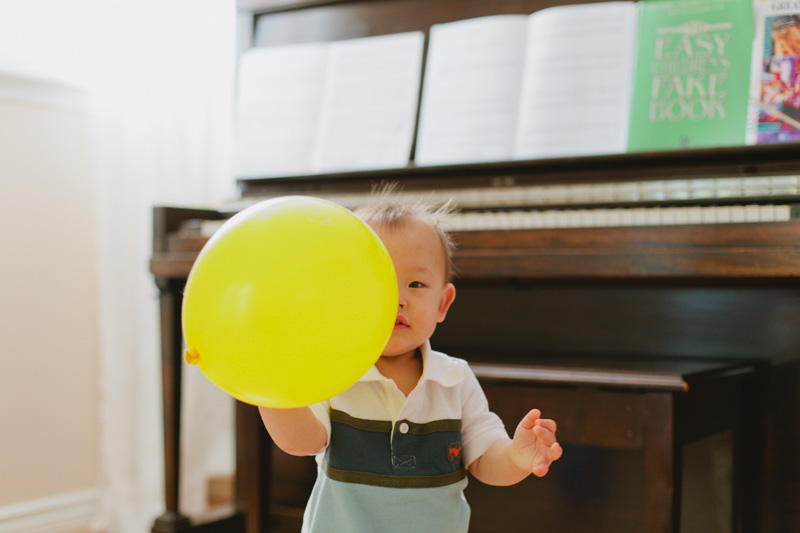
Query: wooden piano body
column 647, row 342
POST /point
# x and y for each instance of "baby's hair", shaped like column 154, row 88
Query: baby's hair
column 392, row 210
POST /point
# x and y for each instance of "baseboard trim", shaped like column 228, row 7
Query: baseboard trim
column 63, row 513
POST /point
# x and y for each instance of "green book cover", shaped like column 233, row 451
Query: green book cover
column 691, row 79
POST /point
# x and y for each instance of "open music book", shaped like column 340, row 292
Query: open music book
column 691, row 77
column 774, row 114
column 328, row 107
column 553, row 83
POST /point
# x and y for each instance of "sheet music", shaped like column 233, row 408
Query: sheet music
column 370, row 103
column 279, row 102
column 577, row 81
column 327, row 107
column 471, row 89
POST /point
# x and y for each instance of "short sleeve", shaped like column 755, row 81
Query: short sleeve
column 322, row 411
column 480, row 427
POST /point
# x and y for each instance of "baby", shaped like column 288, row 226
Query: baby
column 394, row 448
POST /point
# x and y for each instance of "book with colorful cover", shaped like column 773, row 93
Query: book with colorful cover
column 691, row 80
column 774, row 115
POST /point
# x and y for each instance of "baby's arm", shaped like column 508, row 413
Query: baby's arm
column 508, row 461
column 295, row 431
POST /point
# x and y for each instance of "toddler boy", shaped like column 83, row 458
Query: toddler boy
column 394, row 448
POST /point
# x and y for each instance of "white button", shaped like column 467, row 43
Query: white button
column 403, row 428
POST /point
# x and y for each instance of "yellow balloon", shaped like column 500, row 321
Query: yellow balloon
column 289, row 303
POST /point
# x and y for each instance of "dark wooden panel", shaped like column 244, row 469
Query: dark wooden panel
column 739, row 161
column 781, row 466
column 589, row 418
column 253, row 468
column 647, row 320
column 630, row 263
column 590, row 489
column 758, row 237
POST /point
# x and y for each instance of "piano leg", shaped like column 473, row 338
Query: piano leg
column 171, row 352
column 253, row 468
column 663, row 465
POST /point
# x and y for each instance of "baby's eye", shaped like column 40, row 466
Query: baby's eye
column 416, row 285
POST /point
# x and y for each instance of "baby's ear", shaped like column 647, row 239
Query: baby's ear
column 448, row 295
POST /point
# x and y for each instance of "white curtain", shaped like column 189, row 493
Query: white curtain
column 160, row 78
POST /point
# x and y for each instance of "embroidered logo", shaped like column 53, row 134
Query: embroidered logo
column 454, row 451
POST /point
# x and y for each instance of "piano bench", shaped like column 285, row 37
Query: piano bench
column 639, row 438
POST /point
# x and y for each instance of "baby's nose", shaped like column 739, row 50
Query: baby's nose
column 401, row 301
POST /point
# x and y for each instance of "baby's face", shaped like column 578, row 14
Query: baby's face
column 424, row 294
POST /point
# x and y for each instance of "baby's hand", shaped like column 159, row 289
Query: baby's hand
column 535, row 446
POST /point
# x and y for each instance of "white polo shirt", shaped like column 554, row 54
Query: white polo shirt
column 398, row 464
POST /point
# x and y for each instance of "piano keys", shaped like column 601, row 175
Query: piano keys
column 495, row 220
column 631, row 203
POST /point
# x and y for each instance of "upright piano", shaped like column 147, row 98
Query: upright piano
column 649, row 302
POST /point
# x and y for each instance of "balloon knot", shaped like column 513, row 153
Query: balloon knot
column 191, row 357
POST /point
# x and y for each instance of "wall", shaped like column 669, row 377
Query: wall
column 49, row 364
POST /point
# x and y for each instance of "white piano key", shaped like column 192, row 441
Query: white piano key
column 555, row 194
column 756, row 186
column 572, row 219
column 588, row 218
column 737, row 214
column 639, row 216
column 752, row 213
column 702, row 188
column 506, row 197
column 694, row 215
column 546, row 219
column 613, row 217
column 494, row 220
column 767, row 213
column 708, row 216
column 783, row 185
column 677, row 189
column 782, row 213
column 511, row 220
column 601, row 192
column 723, row 214
column 681, row 215
column 578, row 194
column 666, row 217
column 727, row 188
column 651, row 190
column 472, row 198
column 626, row 192
column 626, row 217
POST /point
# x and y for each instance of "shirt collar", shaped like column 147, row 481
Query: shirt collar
column 436, row 366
